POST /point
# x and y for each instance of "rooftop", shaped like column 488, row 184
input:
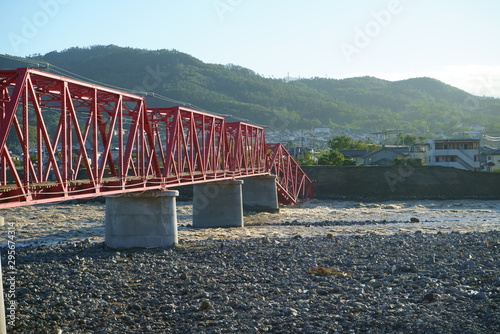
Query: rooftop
column 494, row 152
column 354, row 153
column 458, row 139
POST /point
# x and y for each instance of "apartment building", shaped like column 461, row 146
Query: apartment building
column 458, row 153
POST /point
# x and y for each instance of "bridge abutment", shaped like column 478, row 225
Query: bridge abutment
column 144, row 220
column 218, row 204
column 260, row 194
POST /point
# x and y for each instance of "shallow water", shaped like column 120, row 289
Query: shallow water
column 383, row 217
column 51, row 224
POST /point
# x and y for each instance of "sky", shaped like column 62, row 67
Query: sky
column 455, row 41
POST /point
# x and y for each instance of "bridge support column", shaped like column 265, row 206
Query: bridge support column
column 260, row 194
column 142, row 220
column 218, row 204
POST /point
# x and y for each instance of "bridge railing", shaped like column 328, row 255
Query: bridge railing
column 292, row 182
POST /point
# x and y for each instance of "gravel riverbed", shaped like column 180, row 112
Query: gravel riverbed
column 325, row 276
column 403, row 283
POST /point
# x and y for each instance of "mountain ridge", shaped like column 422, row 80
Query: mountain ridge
column 361, row 104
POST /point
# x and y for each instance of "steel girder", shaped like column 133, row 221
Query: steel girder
column 107, row 142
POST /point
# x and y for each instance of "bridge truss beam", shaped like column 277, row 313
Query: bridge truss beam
column 108, row 142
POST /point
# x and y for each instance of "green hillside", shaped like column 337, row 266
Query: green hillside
column 364, row 104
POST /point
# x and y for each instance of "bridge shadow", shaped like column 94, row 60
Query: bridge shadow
column 70, row 254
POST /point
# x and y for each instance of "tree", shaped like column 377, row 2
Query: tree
column 306, row 160
column 400, row 161
column 331, row 158
column 290, row 144
column 346, row 143
column 349, row 162
column 408, row 140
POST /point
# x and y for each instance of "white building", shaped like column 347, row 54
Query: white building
column 458, row 153
column 420, row 151
column 325, row 131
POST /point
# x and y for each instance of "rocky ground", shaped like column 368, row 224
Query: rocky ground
column 440, row 282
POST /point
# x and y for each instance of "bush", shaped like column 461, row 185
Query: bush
column 331, row 158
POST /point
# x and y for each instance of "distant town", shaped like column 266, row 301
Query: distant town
column 471, row 151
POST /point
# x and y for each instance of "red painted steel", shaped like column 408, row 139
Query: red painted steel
column 293, row 184
column 200, row 147
column 107, row 142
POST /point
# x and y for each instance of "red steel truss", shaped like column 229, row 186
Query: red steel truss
column 291, row 181
column 200, row 147
column 107, row 142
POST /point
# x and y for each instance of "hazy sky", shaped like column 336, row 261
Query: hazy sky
column 455, row 41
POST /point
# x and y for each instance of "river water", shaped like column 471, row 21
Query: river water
column 55, row 223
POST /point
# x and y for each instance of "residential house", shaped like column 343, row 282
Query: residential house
column 357, row 155
column 492, row 160
column 386, row 155
column 420, row 152
column 458, row 153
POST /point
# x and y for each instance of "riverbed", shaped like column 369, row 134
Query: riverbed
column 72, row 222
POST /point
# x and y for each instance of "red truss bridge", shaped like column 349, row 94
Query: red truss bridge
column 64, row 139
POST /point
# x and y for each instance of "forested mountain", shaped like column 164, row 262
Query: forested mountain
column 363, row 104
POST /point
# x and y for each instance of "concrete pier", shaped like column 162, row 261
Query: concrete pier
column 218, row 204
column 260, row 194
column 143, row 220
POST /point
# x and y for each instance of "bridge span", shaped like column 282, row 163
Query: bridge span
column 63, row 139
